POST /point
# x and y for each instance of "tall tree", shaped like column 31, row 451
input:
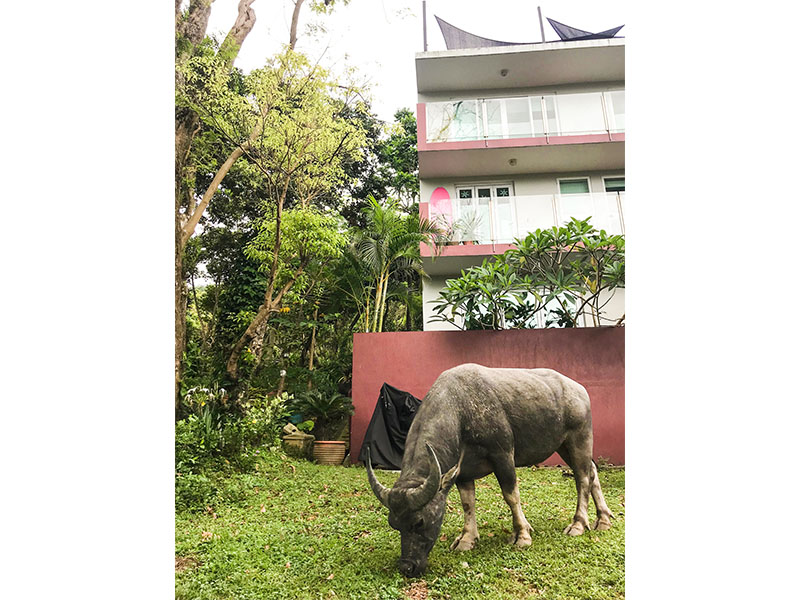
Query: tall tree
column 190, row 33
column 387, row 247
column 293, row 132
column 191, row 24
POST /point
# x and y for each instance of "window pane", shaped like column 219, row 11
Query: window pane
column 617, row 109
column 615, row 184
column 574, row 186
column 494, row 119
column 552, row 119
column 580, row 113
column 518, row 116
column 449, row 121
column 485, row 223
column 579, row 206
column 484, row 193
column 504, row 219
column 435, row 119
column 502, row 191
column 465, row 203
column 464, row 125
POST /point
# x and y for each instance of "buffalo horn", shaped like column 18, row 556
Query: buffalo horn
column 381, row 491
column 420, row 496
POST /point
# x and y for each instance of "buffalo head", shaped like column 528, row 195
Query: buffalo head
column 416, row 510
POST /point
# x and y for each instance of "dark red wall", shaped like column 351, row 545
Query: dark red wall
column 411, row 361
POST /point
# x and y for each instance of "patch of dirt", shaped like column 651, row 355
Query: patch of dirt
column 417, row 591
column 185, row 562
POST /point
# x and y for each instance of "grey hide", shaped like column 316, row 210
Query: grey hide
column 478, row 420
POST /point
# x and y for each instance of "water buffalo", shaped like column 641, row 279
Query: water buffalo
column 477, row 420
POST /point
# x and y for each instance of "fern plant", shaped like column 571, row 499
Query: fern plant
column 328, row 411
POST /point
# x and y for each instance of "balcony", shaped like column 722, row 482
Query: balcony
column 491, row 224
column 522, row 134
column 525, row 117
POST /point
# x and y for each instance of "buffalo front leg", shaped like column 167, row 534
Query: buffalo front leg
column 469, row 535
column 507, row 478
column 604, row 514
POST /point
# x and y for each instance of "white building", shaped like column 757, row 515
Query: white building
column 523, row 136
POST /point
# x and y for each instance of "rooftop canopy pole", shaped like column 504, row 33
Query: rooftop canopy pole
column 424, row 28
column 541, row 23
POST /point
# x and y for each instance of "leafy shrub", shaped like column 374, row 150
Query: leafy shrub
column 211, row 434
column 328, row 410
column 263, row 419
column 555, row 276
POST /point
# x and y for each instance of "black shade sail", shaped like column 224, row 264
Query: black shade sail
column 565, row 32
column 388, row 428
column 458, row 39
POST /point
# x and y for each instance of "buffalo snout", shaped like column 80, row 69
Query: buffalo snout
column 411, row 568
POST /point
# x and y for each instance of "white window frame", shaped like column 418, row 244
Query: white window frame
column 492, row 200
column 559, row 218
column 560, row 179
column 622, row 176
column 620, row 198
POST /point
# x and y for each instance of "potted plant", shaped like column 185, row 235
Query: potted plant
column 330, row 412
column 467, row 227
column 447, row 234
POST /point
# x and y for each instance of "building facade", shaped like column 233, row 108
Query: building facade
column 516, row 138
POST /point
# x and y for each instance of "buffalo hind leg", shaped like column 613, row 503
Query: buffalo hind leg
column 579, row 457
column 469, row 535
column 506, row 474
column 604, row 514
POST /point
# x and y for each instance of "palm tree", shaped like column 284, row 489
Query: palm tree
column 388, row 246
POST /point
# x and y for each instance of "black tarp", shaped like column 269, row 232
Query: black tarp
column 388, row 428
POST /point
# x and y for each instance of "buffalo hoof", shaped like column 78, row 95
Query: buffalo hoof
column 575, row 528
column 521, row 539
column 602, row 524
column 462, row 543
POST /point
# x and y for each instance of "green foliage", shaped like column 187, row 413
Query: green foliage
column 575, row 261
column 323, row 534
column 193, row 492
column 312, row 143
column 385, row 250
column 562, row 273
column 398, row 157
column 311, row 240
column 216, row 430
column 329, row 412
column 491, row 296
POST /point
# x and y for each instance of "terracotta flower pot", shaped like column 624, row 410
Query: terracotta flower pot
column 329, row 453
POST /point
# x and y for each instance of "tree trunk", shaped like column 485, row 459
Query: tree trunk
column 313, row 345
column 190, row 30
column 180, row 318
column 245, row 20
column 383, row 302
column 295, row 19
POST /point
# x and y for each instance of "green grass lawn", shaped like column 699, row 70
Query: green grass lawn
column 298, row 530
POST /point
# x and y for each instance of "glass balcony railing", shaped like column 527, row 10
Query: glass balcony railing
column 501, row 219
column 526, row 116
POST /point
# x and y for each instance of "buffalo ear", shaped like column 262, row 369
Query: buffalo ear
column 449, row 478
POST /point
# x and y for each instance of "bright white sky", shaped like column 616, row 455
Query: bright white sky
column 380, row 37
